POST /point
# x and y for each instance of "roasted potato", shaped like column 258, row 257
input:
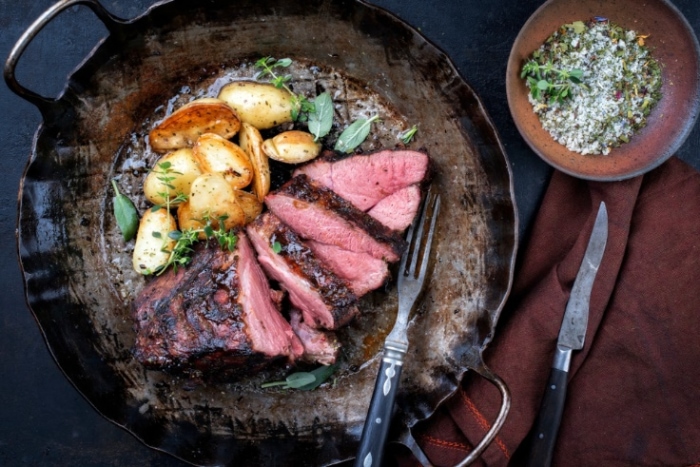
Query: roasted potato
column 153, row 245
column 292, row 147
column 251, row 205
column 251, row 141
column 173, row 174
column 261, row 104
column 211, row 197
column 182, row 128
column 185, row 220
column 215, row 154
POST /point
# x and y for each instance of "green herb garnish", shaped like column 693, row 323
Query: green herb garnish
column 546, row 81
column 181, row 253
column 321, row 119
column 408, row 135
column 166, row 175
column 276, row 247
column 301, row 106
column 354, row 134
column 125, row 213
column 305, row 381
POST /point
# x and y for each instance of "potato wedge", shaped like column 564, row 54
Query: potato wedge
column 292, row 147
column 211, row 197
column 153, row 245
column 182, row 128
column 251, row 205
column 251, row 141
column 173, row 174
column 261, row 104
column 186, row 221
column 215, row 154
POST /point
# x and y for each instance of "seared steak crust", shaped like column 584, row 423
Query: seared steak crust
column 200, row 317
column 326, row 203
column 324, row 298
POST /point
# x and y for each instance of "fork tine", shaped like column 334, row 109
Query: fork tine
column 429, row 240
column 419, row 236
column 404, row 257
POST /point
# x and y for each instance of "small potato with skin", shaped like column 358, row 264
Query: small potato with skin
column 292, row 147
column 260, row 104
column 215, row 154
column 251, row 142
column 173, row 174
column 153, row 245
column 251, row 205
column 185, row 220
column 211, row 197
column 182, row 128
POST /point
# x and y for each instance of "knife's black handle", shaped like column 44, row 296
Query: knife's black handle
column 381, row 407
column 544, row 432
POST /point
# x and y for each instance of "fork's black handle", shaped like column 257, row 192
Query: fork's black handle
column 544, row 433
column 378, row 419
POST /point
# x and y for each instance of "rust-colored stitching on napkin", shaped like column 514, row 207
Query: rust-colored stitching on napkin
column 481, row 420
column 445, row 444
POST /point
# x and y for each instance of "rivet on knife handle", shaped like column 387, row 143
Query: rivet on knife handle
column 571, row 337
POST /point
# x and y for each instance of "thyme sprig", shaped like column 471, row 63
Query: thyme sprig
column 301, row 106
column 181, row 253
column 407, row 136
column 166, row 175
column 547, row 81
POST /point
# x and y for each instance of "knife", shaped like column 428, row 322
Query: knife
column 571, row 336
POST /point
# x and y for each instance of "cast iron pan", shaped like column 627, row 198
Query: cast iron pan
column 78, row 281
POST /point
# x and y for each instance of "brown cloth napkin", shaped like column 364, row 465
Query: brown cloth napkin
column 633, row 389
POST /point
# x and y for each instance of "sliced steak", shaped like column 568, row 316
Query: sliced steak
column 319, row 346
column 323, row 298
column 362, row 272
column 217, row 313
column 397, row 210
column 364, row 180
column 317, row 213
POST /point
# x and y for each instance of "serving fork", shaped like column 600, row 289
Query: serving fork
column 410, row 283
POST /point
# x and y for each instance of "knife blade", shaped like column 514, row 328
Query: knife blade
column 572, row 334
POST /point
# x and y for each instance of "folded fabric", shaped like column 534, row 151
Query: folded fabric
column 633, row 389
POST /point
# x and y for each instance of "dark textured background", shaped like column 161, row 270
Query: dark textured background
column 43, row 420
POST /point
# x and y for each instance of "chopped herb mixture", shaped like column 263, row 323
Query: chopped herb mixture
column 592, row 84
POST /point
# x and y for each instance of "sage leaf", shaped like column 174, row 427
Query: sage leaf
column 354, row 135
column 125, row 213
column 321, row 374
column 321, row 119
column 300, row 379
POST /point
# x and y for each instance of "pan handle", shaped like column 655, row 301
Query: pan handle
column 494, row 379
column 44, row 103
column 406, row 438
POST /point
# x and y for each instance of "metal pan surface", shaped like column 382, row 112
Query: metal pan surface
column 76, row 268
